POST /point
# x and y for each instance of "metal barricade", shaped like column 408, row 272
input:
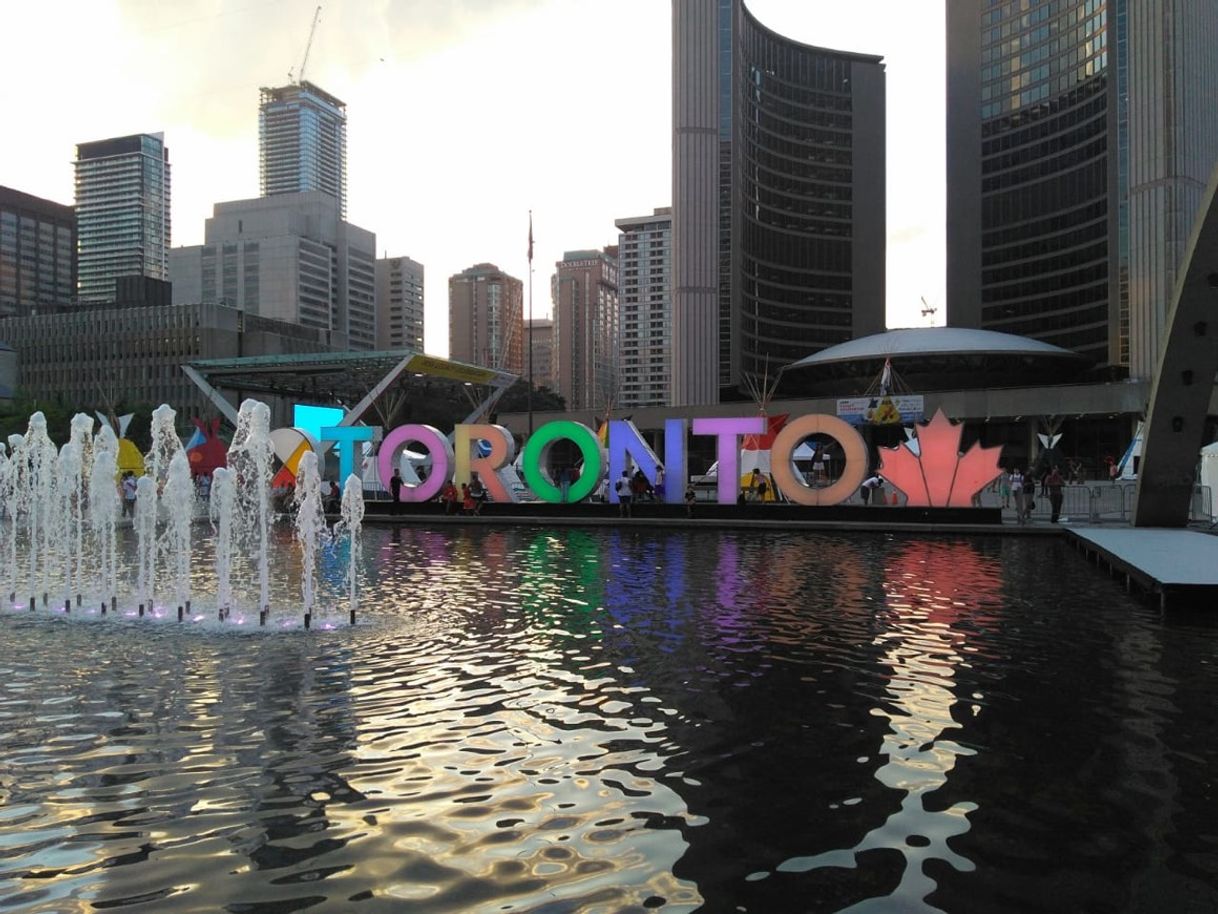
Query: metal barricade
column 1076, row 503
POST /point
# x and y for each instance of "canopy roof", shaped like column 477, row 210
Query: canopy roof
column 353, row 379
column 921, row 341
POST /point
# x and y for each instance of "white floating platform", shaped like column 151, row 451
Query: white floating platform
column 1179, row 566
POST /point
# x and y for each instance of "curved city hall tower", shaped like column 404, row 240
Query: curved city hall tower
column 778, row 198
column 1080, row 138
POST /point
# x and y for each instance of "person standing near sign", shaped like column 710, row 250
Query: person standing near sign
column 873, row 485
column 395, row 490
column 624, row 494
column 1017, row 494
column 1054, row 483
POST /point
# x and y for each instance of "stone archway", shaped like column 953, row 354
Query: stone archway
column 1184, row 381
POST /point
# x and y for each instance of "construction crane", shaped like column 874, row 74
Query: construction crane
column 308, row 45
column 928, row 310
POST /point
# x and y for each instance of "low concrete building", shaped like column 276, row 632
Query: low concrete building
column 95, row 357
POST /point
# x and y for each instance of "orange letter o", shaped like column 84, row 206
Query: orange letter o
column 845, row 435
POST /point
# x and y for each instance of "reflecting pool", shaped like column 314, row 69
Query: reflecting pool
column 628, row 721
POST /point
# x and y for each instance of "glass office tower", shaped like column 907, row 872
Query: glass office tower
column 122, row 212
column 1079, row 143
column 302, row 136
column 37, row 253
column 778, row 198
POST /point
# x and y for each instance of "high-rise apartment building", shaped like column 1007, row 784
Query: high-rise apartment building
column 486, row 318
column 1080, row 138
column 645, row 297
column 302, row 137
column 37, row 253
column 778, row 198
column 584, row 296
column 399, row 303
column 290, row 258
column 122, row 212
column 539, row 334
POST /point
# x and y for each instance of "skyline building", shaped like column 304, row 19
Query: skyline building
column 1081, row 135
column 37, row 253
column 302, row 142
column 290, row 258
column 122, row 213
column 486, row 318
column 584, row 296
column 645, row 300
column 778, row 234
column 543, row 351
column 399, row 303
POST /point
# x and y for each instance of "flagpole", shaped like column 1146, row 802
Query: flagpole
column 530, row 323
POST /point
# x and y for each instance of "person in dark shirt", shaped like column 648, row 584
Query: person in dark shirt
column 395, row 489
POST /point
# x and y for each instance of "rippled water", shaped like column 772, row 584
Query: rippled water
column 619, row 721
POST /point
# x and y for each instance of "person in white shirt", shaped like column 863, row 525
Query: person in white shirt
column 873, row 486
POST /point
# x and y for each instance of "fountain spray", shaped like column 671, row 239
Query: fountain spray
column 104, row 508
column 223, row 497
column 350, row 524
column 310, row 527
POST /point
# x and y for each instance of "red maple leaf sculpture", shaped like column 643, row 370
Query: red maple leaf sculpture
column 938, row 475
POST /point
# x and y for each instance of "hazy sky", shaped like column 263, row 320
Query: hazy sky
column 462, row 115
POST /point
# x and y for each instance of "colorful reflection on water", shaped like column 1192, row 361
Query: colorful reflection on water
column 607, row 721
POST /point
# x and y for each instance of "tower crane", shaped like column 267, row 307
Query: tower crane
column 308, row 45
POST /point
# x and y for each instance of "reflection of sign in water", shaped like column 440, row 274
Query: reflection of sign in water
column 881, row 410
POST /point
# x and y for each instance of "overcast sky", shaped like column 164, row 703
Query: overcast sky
column 462, row 115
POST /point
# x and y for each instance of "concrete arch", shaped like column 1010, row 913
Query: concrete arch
column 1184, row 381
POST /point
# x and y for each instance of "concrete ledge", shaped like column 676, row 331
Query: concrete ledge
column 858, row 518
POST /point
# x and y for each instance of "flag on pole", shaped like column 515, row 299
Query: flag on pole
column 530, row 236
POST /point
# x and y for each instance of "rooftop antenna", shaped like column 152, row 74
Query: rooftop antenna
column 308, row 45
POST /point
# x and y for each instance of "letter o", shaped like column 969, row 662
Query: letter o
column 441, row 459
column 538, row 447
column 844, row 434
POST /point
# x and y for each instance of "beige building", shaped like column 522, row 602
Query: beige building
column 288, row 257
column 399, row 303
column 541, row 338
column 486, row 318
column 586, row 334
column 645, row 292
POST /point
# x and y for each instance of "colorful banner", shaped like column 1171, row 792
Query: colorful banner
column 888, row 410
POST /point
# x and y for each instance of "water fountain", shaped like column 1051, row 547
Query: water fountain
column 62, row 536
column 310, row 529
column 350, row 522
